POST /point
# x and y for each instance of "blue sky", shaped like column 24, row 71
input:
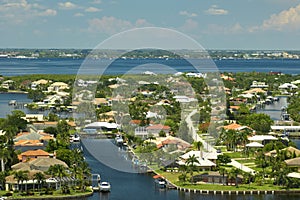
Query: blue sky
column 215, row 24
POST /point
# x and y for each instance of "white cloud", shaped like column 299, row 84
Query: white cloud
column 214, row 10
column 111, row 25
column 67, row 5
column 78, row 15
column 20, row 11
column 92, row 9
column 284, row 21
column 48, row 12
column 187, row 14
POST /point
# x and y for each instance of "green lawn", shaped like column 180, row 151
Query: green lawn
column 56, row 194
column 235, row 154
column 173, row 177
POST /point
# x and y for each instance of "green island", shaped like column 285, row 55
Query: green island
column 245, row 150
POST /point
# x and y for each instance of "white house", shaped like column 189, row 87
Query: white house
column 184, row 99
column 102, row 126
column 57, row 86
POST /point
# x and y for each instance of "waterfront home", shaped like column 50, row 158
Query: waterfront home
column 53, row 99
column 217, row 178
column 6, row 84
column 38, row 165
column 33, row 154
column 202, row 164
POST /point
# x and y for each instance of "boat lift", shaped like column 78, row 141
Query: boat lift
column 97, row 178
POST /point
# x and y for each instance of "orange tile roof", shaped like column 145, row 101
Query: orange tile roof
column 158, row 126
column 233, row 126
column 38, row 152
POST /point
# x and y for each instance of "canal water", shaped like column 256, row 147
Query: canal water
column 274, row 109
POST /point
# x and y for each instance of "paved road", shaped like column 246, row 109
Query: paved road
column 207, row 147
column 195, row 136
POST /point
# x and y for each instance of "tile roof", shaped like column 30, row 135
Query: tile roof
column 158, row 127
column 38, row 152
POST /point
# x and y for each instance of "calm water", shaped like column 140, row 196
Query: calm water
column 15, row 67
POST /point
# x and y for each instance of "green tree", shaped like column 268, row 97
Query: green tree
column 190, row 162
column 40, row 177
column 20, row 176
column 258, row 121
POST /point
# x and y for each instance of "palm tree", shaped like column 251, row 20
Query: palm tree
column 190, row 162
column 20, row 176
column 223, row 171
column 58, row 171
column 198, row 145
column 40, row 177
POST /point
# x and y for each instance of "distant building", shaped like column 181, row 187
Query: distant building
column 257, row 84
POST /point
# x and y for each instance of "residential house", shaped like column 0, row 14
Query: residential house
column 33, row 154
column 262, row 139
column 155, row 129
column 293, row 163
column 258, row 84
column 102, row 126
column 25, row 141
column 39, row 165
column 57, row 86
column 217, row 178
column 141, row 132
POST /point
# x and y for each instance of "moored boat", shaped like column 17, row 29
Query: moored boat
column 104, row 187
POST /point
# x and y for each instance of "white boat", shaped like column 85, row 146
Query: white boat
column 161, row 183
column 104, row 187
